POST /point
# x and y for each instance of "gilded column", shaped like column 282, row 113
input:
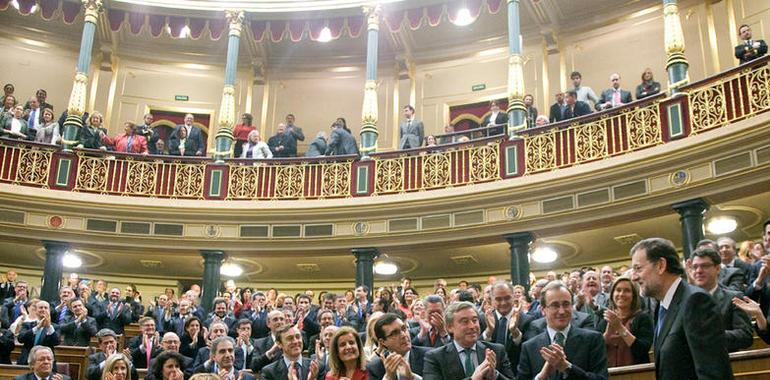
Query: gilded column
column 676, row 62
column 224, row 138
column 517, row 111
column 77, row 103
column 369, row 113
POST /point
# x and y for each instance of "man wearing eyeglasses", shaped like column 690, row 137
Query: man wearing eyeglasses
column 563, row 350
column 399, row 359
column 703, row 269
column 689, row 337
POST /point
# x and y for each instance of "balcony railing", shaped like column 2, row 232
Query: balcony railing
column 712, row 103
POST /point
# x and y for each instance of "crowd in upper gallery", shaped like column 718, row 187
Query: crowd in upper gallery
column 574, row 324
column 36, row 121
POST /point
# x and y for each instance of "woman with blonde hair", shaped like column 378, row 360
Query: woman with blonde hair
column 117, row 367
column 49, row 132
column 371, row 347
column 346, row 357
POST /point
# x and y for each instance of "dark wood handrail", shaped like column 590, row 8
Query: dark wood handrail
column 437, row 148
column 725, row 73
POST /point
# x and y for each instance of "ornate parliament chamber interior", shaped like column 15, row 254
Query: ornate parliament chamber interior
column 384, row 189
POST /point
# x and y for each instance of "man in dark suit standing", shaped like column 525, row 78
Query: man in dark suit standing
column 6, row 287
column 749, row 49
column 496, row 120
column 41, row 362
column 194, row 133
column 359, row 310
column 575, row 108
column 38, row 333
column 266, row 350
column 727, row 254
column 689, row 337
column 613, row 96
column 12, row 306
column 557, row 108
column 399, row 356
column 146, row 345
column 281, row 144
column 563, row 349
column 433, row 332
column 222, row 361
column 341, row 142
column 411, row 130
column 289, row 338
column 220, row 314
column 759, row 281
column 77, row 328
column 703, row 270
column 115, row 314
column 466, row 356
column 108, row 344
column 504, row 322
column 202, row 359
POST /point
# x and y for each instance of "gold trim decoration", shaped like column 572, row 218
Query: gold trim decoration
column 389, row 175
column 92, row 10
column 289, row 181
column 540, row 152
column 141, row 177
column 336, row 179
column 673, row 35
column 436, row 170
column 235, row 19
column 92, row 173
column 370, row 113
column 485, row 163
column 515, row 78
column 77, row 101
column 243, row 182
column 707, row 108
column 227, row 108
column 590, row 142
column 34, row 167
column 643, row 127
column 189, row 180
column 360, row 228
column 759, row 88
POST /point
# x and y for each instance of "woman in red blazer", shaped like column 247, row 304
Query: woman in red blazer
column 129, row 141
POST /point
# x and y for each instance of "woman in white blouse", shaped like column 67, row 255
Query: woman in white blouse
column 254, row 147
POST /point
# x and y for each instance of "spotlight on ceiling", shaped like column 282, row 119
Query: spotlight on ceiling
column 545, row 255
column 70, row 260
column 385, row 268
column 463, row 17
column 325, row 35
column 230, row 270
column 721, row 225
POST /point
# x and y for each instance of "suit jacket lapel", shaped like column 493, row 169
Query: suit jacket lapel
column 453, row 360
column 283, row 372
column 671, row 314
column 481, row 353
column 573, row 343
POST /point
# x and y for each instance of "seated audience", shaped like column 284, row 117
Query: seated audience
column 648, row 87
column 49, row 132
column 399, row 357
column 41, row 365
column 193, row 338
column 116, row 367
column 575, row 108
column 217, row 329
column 749, row 49
column 77, row 327
column 38, row 333
column 529, row 100
column 317, row 146
column 14, row 125
column 281, row 144
column 341, row 142
column 562, row 349
column 753, row 309
column 169, row 366
column 128, row 141
column 627, row 328
column 254, row 147
column 223, row 361
column 90, row 136
column 293, row 366
column 193, row 142
column 108, row 344
column 557, row 108
column 584, row 93
column 496, row 120
column 613, row 96
column 346, row 356
column 242, row 133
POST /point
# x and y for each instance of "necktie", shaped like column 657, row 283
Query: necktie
column 62, row 313
column 301, row 322
column 616, row 98
column 360, row 310
column 296, row 369
column 468, row 365
column 433, row 336
column 661, row 319
column 39, row 336
column 502, row 330
column 245, row 349
column 31, row 122
column 17, row 310
column 114, row 310
column 148, row 354
column 558, row 338
column 130, row 142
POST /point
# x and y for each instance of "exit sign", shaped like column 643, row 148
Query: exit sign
column 181, row 98
column 478, row 87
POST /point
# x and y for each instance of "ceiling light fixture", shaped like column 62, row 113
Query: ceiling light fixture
column 463, row 17
column 230, row 270
column 325, row 35
column 545, row 255
column 385, row 267
column 71, row 261
column 721, row 225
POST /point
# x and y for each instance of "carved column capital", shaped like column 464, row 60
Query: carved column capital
column 373, row 16
column 235, row 19
column 92, row 9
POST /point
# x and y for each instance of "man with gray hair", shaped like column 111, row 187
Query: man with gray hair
column 41, row 364
column 466, row 357
column 317, row 146
column 222, row 360
column 38, row 333
column 108, row 345
column 433, row 331
column 216, row 330
column 735, row 272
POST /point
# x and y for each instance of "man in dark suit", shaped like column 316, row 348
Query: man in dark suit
column 161, row 309
column 220, row 314
column 266, row 350
column 115, row 314
column 466, row 356
column 7, row 345
column 292, row 130
column 749, row 49
column 504, row 322
column 146, row 345
column 563, row 349
column 318, row 146
column 399, row 356
column 759, row 281
column 222, row 361
column 108, row 344
column 41, row 362
column 281, row 144
column 77, row 328
column 702, row 270
column 497, row 119
column 613, row 96
column 12, row 306
column 689, row 337
column 176, row 322
column 289, row 339
column 733, row 279
column 411, row 130
column 217, row 329
column 575, row 108
column 37, row 333
column 579, row 319
column 432, row 333
column 557, row 109
column 258, row 316
column 6, row 287
column 306, row 318
column 244, row 342
column 360, row 309
column 193, row 133
column 62, row 311
column 341, row 142
column 727, row 254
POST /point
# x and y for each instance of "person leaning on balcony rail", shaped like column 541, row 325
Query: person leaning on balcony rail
column 449, row 128
column 90, row 135
column 541, row 121
column 40, row 97
column 241, row 133
column 128, row 141
column 13, row 125
column 341, row 142
column 496, row 118
column 193, row 138
column 648, row 87
column 318, row 145
column 49, row 132
column 749, row 49
column 9, row 101
column 613, row 96
column 254, row 147
column 558, row 108
column 575, row 108
column 181, row 145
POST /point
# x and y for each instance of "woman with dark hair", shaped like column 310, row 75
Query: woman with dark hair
column 193, row 339
column 648, row 87
column 167, row 366
column 341, row 121
column 346, row 356
column 410, row 295
column 627, row 329
column 9, row 101
column 241, row 133
column 242, row 304
column 48, row 133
